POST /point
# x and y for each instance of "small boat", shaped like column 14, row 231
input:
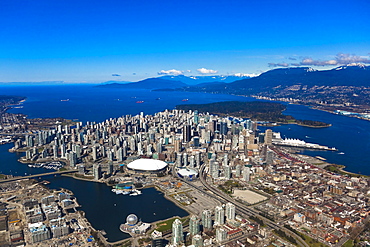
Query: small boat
column 135, row 193
column 157, row 98
column 341, row 153
column 64, row 100
column 185, row 99
column 139, row 101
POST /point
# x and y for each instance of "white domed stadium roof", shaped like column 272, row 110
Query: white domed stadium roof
column 147, row 165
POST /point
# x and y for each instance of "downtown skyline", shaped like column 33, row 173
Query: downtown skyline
column 94, row 41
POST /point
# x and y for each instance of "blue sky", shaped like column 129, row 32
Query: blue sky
column 88, row 41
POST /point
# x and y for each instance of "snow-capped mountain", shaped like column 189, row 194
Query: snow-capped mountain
column 194, row 80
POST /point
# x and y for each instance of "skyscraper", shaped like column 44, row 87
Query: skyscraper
column 246, row 173
column 177, row 232
column 110, row 167
column 110, row 155
column 179, row 160
column 227, row 172
column 226, row 160
column 194, row 225
column 77, row 149
column 159, row 147
column 207, row 219
column 186, row 133
column 97, row 171
column 94, row 153
column 185, row 159
column 63, row 150
column 219, row 216
column 230, row 211
column 119, row 155
column 55, row 150
column 192, row 161
column 196, row 117
column 238, row 171
column 212, row 126
column 72, row 159
column 177, row 145
column 196, row 141
column 197, row 159
column 268, row 137
column 214, row 169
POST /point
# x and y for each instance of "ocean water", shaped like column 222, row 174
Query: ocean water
column 91, row 103
column 104, row 209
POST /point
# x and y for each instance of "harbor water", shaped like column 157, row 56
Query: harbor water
column 106, row 210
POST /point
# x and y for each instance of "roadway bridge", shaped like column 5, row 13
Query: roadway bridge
column 37, row 175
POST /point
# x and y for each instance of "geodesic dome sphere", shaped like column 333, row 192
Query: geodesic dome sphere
column 131, row 219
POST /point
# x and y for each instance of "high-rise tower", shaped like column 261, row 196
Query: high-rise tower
column 177, row 232
column 230, row 211
column 219, row 216
column 268, row 137
column 194, row 225
column 186, row 133
column 207, row 219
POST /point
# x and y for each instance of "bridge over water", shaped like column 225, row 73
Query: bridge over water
column 37, row 175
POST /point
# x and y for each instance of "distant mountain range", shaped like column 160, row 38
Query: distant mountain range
column 173, row 82
column 196, row 80
column 350, row 75
column 355, row 75
column 346, row 85
column 151, row 83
